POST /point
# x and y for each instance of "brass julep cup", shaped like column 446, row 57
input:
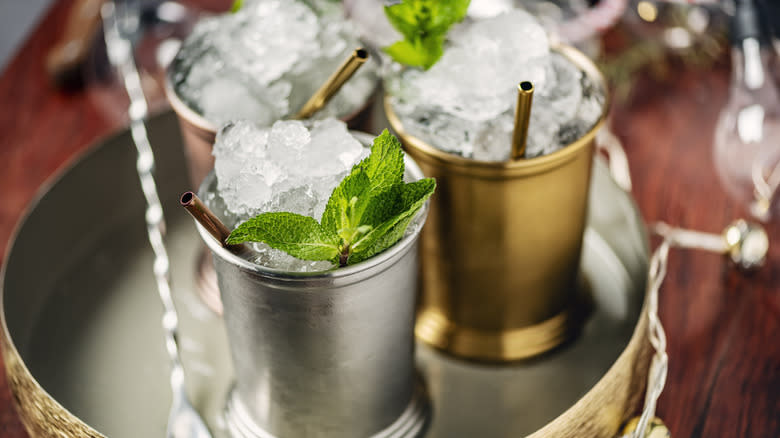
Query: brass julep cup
column 501, row 248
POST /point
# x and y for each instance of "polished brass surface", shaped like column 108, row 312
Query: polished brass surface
column 747, row 244
column 602, row 411
column 41, row 415
column 331, row 86
column 502, row 244
column 525, row 97
column 81, row 349
column 655, row 428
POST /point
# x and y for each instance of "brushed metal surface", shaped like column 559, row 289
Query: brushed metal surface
column 326, row 354
column 85, row 357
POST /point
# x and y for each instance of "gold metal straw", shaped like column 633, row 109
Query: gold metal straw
column 333, row 84
column 525, row 96
column 208, row 220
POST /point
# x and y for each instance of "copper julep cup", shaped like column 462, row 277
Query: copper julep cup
column 199, row 133
column 501, row 248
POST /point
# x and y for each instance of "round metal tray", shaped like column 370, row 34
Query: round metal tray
column 83, row 343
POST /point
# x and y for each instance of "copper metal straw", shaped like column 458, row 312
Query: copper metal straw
column 333, row 84
column 525, row 96
column 208, row 220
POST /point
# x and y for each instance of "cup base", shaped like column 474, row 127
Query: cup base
column 412, row 423
column 435, row 329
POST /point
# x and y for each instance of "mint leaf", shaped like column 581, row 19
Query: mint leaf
column 382, row 240
column 416, row 53
column 300, row 236
column 424, row 25
column 366, row 213
column 403, row 17
column 416, row 193
column 385, row 165
column 341, row 211
column 446, row 13
column 382, row 206
column 369, row 179
column 385, row 235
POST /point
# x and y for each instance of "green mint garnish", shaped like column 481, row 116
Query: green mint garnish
column 236, row 5
column 424, row 25
column 367, row 213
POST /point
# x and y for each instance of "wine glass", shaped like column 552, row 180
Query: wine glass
column 747, row 134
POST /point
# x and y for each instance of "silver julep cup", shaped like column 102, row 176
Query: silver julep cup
column 327, row 354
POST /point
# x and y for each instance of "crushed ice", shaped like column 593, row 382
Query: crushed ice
column 465, row 103
column 263, row 62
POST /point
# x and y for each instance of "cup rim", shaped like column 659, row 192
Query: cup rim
column 424, row 151
column 190, row 115
column 181, row 108
column 369, row 266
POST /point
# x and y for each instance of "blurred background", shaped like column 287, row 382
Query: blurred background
column 17, row 19
column 670, row 67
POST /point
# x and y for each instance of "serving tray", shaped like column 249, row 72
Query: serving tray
column 83, row 343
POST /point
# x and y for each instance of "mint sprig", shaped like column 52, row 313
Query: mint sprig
column 366, row 213
column 301, row 236
column 424, row 25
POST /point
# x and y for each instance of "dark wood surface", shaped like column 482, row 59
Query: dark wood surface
column 724, row 347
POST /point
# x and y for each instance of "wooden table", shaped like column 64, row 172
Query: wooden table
column 723, row 326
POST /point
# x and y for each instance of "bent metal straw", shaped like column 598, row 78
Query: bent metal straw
column 345, row 71
column 209, row 221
